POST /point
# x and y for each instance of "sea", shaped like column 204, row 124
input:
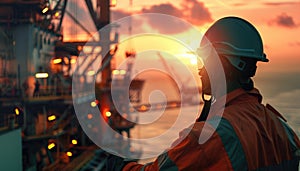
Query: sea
column 281, row 90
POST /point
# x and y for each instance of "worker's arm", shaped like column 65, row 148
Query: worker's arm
column 187, row 154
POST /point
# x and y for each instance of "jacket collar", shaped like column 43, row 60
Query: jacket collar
column 239, row 92
column 218, row 107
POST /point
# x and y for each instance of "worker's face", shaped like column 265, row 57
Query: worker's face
column 206, row 87
column 212, row 76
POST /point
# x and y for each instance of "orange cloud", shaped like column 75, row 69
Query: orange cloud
column 284, row 20
column 192, row 11
column 281, row 3
column 197, row 14
column 297, row 43
column 167, row 8
column 118, row 14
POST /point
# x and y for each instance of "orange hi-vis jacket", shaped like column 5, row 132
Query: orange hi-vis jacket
column 246, row 136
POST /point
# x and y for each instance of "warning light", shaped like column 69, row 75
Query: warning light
column 56, row 14
column 108, row 114
column 122, row 72
column 115, row 72
column 45, row 10
column 17, row 111
column 93, row 104
column 91, row 73
column 69, row 153
column 51, row 145
column 57, row 61
column 74, row 142
column 73, row 61
column 41, row 75
column 51, row 118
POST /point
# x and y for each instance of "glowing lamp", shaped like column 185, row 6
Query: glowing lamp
column 56, row 14
column 41, row 75
column 69, row 153
column 73, row 61
column 57, row 61
column 122, row 72
column 74, row 142
column 51, row 145
column 115, row 72
column 17, row 111
column 45, row 10
column 108, row 114
column 93, row 104
column 51, row 118
column 91, row 73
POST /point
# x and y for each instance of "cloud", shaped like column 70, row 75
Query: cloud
column 192, row 11
column 297, row 43
column 197, row 13
column 239, row 4
column 118, row 14
column 284, row 20
column 163, row 23
column 166, row 8
column 280, row 3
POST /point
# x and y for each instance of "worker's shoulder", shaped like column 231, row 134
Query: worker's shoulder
column 207, row 128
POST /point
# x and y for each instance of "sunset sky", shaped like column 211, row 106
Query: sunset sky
column 278, row 22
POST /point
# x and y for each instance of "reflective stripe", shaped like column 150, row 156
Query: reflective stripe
column 143, row 168
column 231, row 143
column 290, row 135
column 165, row 163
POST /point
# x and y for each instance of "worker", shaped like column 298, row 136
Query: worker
column 245, row 134
column 36, row 88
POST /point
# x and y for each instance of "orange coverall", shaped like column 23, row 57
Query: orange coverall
column 248, row 136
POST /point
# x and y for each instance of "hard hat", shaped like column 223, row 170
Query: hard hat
column 234, row 38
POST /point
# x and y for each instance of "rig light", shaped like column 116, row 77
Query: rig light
column 51, row 145
column 46, row 9
column 93, row 104
column 108, row 114
column 74, row 142
column 17, row 111
column 91, row 73
column 41, row 75
column 69, row 153
column 51, row 118
column 57, row 61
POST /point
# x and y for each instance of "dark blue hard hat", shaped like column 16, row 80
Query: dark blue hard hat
column 234, row 38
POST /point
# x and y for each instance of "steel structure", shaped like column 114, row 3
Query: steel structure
column 33, row 54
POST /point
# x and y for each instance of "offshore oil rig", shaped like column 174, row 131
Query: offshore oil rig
column 38, row 126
